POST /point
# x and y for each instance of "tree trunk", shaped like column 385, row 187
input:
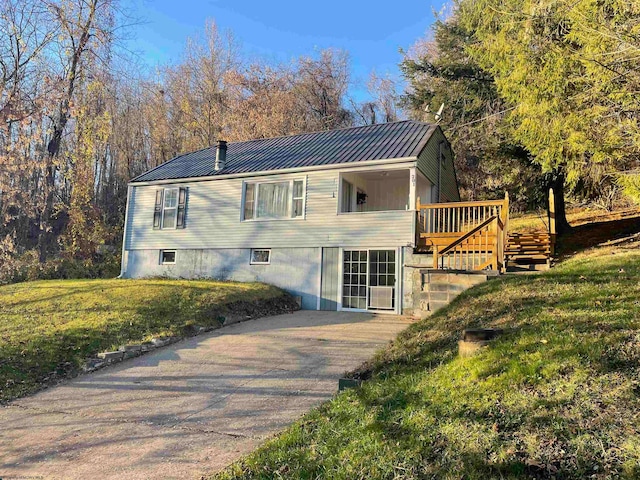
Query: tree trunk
column 557, row 184
column 60, row 123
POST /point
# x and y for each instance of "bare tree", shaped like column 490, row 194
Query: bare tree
column 321, row 85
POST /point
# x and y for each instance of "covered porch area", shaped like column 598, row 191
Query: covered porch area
column 382, row 190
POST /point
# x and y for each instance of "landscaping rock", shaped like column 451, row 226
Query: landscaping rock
column 93, row 364
column 147, row 346
column 112, row 356
column 133, row 348
column 159, row 342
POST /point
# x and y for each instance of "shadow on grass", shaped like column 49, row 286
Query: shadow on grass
column 590, row 235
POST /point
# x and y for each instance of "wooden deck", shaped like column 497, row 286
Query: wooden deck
column 475, row 236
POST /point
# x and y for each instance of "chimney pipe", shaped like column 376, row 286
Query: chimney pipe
column 221, row 155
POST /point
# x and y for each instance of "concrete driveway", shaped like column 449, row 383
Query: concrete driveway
column 190, row 408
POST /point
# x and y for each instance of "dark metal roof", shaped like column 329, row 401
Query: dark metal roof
column 348, row 145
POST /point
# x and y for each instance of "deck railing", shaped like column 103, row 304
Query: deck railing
column 464, row 235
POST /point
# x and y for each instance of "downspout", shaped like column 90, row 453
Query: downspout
column 124, row 231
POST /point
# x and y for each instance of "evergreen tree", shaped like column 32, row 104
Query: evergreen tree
column 570, row 70
column 488, row 160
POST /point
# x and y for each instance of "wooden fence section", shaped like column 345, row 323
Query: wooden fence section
column 464, row 235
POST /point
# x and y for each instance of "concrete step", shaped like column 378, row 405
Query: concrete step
column 440, row 287
column 440, row 297
column 445, row 287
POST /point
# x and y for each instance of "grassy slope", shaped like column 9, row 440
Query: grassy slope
column 48, row 328
column 557, row 397
column 537, row 221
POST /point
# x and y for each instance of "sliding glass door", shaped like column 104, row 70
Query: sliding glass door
column 369, row 280
column 354, row 286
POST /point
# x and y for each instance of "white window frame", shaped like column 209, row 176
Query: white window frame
column 252, row 262
column 175, row 257
column 290, row 200
column 342, row 199
column 175, row 216
column 398, row 287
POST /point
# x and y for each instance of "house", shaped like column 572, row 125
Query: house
column 329, row 216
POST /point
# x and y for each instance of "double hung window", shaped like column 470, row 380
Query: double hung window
column 274, row 200
column 170, row 208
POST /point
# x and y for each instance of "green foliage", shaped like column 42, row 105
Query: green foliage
column 555, row 397
column 28, row 267
column 488, row 160
column 630, row 184
column 569, row 69
column 48, row 328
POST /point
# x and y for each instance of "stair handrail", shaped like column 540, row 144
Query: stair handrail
column 468, row 234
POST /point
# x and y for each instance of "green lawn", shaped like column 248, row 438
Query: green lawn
column 558, row 396
column 48, row 328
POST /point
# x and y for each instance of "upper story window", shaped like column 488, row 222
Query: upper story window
column 170, row 208
column 274, row 200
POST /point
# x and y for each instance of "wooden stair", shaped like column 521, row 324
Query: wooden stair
column 529, row 248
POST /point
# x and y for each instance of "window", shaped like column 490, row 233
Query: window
column 274, row 200
column 167, row 257
column 260, row 256
column 298, row 199
column 170, row 208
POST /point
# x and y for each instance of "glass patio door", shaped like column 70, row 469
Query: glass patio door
column 354, row 279
column 382, row 280
column 369, row 279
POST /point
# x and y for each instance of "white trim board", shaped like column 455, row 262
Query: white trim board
column 398, row 287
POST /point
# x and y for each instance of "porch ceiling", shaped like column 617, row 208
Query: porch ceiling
column 384, row 174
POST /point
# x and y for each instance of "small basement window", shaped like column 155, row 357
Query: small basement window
column 260, row 256
column 167, row 257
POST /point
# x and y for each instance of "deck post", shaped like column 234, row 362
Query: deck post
column 505, row 231
column 496, row 244
column 552, row 221
column 417, row 223
column 412, row 188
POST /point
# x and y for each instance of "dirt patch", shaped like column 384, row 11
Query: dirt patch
column 243, row 310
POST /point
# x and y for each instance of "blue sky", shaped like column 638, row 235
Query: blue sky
column 281, row 30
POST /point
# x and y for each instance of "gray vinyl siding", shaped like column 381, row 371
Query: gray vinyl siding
column 428, row 165
column 330, row 280
column 296, row 270
column 214, row 210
